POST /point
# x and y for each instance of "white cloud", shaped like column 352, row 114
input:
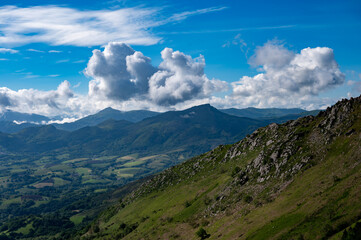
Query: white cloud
column 238, row 41
column 181, row 78
column 30, row 49
column 125, row 79
column 288, row 77
column 62, row 61
column 52, row 102
column 8, row 50
column 271, row 55
column 118, row 72
column 79, row 61
column 54, row 51
column 77, row 85
column 184, row 15
column 62, row 121
column 57, row 25
column 4, row 59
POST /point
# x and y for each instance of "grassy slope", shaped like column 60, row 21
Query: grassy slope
column 315, row 201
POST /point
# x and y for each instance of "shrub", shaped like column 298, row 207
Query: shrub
column 202, row 233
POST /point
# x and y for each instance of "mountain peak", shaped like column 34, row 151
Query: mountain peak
column 203, row 107
column 108, row 109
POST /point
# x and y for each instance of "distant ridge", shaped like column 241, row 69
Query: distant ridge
column 12, row 122
column 252, row 112
column 106, row 114
column 11, row 116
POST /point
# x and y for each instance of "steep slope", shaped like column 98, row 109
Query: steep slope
column 298, row 180
column 104, row 115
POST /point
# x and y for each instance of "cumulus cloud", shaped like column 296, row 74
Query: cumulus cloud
column 120, row 73
column 288, row 76
column 57, row 25
column 31, row 100
column 125, row 79
column 181, row 78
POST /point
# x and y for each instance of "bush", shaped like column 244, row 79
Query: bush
column 354, row 233
column 187, row 204
column 202, row 233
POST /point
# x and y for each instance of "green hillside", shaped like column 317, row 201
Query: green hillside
column 298, row 180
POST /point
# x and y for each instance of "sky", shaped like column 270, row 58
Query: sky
column 74, row 58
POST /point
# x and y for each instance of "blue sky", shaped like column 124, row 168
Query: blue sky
column 226, row 33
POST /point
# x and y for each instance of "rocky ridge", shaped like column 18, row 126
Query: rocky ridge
column 255, row 172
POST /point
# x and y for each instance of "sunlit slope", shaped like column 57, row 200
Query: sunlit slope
column 298, row 180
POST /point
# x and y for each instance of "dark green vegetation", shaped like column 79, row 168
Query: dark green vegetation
column 54, row 182
column 298, row 180
column 191, row 131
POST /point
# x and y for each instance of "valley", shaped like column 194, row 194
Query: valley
column 72, row 176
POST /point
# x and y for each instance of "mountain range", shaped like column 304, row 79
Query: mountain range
column 197, row 129
column 193, row 131
column 12, row 122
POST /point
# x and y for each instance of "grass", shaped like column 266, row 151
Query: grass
column 319, row 202
column 59, row 182
column 77, row 219
column 125, row 175
column 133, row 164
column 76, row 160
column 100, row 190
column 105, row 158
column 25, row 230
column 84, row 171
